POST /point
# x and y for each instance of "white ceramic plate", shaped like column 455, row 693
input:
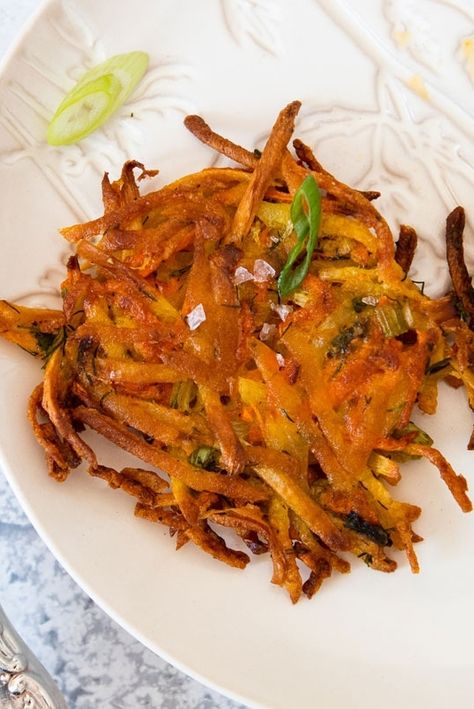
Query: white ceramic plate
column 388, row 102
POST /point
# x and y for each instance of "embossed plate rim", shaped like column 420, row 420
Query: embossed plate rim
column 261, row 677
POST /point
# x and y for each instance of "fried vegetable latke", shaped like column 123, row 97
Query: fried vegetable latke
column 251, row 335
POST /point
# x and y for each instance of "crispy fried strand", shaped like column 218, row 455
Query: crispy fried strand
column 234, row 487
column 457, row 484
column 199, row 128
column 264, row 171
column 406, row 247
column 53, row 404
column 455, row 255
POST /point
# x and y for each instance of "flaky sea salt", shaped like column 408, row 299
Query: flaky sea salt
column 280, row 359
column 282, row 311
column 266, row 331
column 242, row 275
column 262, row 271
column 370, row 300
column 196, row 317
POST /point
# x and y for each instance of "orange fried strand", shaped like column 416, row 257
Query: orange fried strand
column 199, row 128
column 406, row 247
column 264, row 171
column 455, row 255
column 457, row 484
column 234, row 487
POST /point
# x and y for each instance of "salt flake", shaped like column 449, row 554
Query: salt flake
column 282, row 311
column 267, row 331
column 280, row 359
column 242, row 275
column 196, row 317
column 262, row 271
column 370, row 300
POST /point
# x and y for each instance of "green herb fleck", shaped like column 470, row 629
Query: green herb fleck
column 48, row 342
column 358, row 305
column 342, row 343
column 205, row 457
column 44, row 340
column 375, row 532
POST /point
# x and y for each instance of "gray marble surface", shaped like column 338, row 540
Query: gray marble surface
column 95, row 663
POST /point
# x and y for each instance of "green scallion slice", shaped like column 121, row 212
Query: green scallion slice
column 94, row 98
column 391, row 319
column 81, row 115
column 305, row 215
column 205, row 457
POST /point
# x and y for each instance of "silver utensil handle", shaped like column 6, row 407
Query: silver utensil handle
column 24, row 682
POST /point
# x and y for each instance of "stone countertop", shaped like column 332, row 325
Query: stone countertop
column 96, row 664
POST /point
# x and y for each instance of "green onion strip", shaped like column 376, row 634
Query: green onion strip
column 306, row 216
column 95, row 97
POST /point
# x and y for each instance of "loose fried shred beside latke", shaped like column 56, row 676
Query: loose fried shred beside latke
column 283, row 419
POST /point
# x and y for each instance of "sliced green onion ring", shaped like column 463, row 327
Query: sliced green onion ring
column 94, row 98
column 306, row 226
column 83, row 113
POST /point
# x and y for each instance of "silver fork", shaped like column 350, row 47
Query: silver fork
column 24, row 682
